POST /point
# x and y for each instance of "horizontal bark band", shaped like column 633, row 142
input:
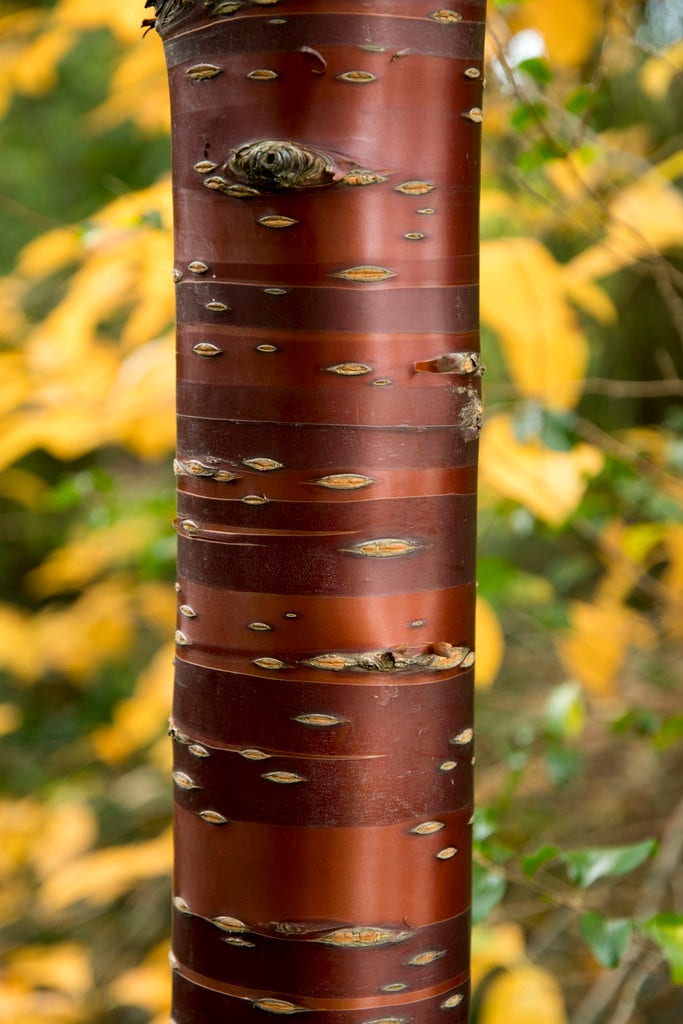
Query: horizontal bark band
column 226, row 708
column 381, row 405
column 451, row 310
column 319, row 362
column 191, row 998
column 431, row 238
column 402, row 29
column 326, row 447
column 438, row 554
column 213, row 515
column 321, row 792
column 296, row 486
column 305, row 966
column 394, row 878
column 308, row 355
column 301, row 623
column 420, row 269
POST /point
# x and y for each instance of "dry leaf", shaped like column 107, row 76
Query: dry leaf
column 500, row 945
column 490, row 644
column 549, row 483
column 104, row 875
column 142, row 717
column 523, row 995
column 658, row 73
column 598, row 642
column 644, row 219
column 148, row 985
column 525, row 299
column 64, row 967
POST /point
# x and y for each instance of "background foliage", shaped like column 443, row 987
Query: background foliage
column 580, row 826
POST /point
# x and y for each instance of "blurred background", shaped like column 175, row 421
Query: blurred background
column 578, row 887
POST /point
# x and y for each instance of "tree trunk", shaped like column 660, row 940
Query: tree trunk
column 326, row 163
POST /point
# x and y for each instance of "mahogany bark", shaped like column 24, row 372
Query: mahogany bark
column 326, row 179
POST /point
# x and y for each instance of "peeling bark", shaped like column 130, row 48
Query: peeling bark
column 326, row 176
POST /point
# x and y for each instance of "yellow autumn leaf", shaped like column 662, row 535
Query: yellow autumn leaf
column 73, row 640
column 64, row 967
column 85, row 558
column 500, row 945
column 569, row 36
column 11, row 718
column 140, row 718
column 525, row 300
column 550, row 484
column 20, row 658
column 644, row 219
column 34, row 71
column 17, row 24
column 15, row 386
column 157, row 603
column 496, row 203
column 138, row 92
column 625, row 550
column 96, row 629
column 160, row 754
column 658, row 73
column 598, row 642
column 63, row 343
column 68, row 830
column 12, row 319
column 33, row 835
column 67, row 433
column 49, row 252
column 142, row 400
column 591, row 299
column 490, row 644
column 23, row 487
column 672, row 579
column 16, row 29
column 121, row 18
column 20, row 822
column 154, row 309
column 148, row 985
column 526, row 994
column 104, row 875
column 22, row 1005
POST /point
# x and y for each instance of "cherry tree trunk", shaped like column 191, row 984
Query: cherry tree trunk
column 326, row 176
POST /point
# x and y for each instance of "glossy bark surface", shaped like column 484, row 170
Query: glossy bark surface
column 326, row 175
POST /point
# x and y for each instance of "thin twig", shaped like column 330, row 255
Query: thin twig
column 633, row 388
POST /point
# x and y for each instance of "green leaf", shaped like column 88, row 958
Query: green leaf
column 495, row 851
column 562, row 763
column 488, row 889
column 535, row 861
column 586, row 866
column 537, row 68
column 579, row 100
column 565, row 712
column 525, row 115
column 485, row 823
column 641, row 720
column 666, row 930
column 558, row 431
column 608, row 940
column 669, row 732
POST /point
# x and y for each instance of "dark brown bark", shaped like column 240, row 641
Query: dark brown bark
column 326, row 175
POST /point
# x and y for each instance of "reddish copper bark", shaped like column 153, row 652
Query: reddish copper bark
column 326, row 165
